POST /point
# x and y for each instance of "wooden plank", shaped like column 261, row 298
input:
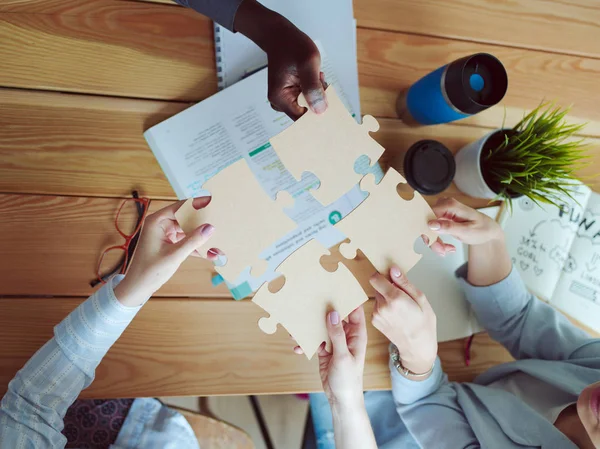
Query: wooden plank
column 556, row 26
column 66, row 144
column 51, row 247
column 391, row 62
column 79, row 144
column 76, row 7
column 164, row 53
column 176, row 49
column 181, row 347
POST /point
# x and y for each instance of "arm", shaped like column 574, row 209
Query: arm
column 33, row 409
column 294, row 59
column 426, row 404
column 341, row 373
column 431, row 412
column 351, row 426
column 526, row 326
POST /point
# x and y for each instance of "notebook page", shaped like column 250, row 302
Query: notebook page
column 539, row 239
column 578, row 291
column 435, row 277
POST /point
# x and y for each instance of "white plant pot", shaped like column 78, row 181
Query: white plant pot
column 469, row 178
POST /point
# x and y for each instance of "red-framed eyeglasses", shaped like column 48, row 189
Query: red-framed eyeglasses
column 128, row 222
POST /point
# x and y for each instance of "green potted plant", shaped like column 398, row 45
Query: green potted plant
column 536, row 158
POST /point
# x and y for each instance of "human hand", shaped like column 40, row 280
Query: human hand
column 294, row 59
column 342, row 369
column 403, row 314
column 161, row 249
column 439, row 246
column 294, row 68
column 464, row 223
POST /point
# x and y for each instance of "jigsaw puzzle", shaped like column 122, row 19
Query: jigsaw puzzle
column 309, row 292
column 246, row 220
column 328, row 145
column 385, row 226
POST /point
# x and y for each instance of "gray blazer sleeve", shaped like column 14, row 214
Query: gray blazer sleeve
column 526, row 326
column 221, row 11
column 431, row 412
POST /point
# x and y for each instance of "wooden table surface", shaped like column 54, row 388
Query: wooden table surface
column 81, row 80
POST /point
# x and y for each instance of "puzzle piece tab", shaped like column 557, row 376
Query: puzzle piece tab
column 309, row 292
column 246, row 220
column 328, row 146
column 385, row 226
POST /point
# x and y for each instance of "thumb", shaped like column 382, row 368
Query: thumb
column 453, row 228
column 336, row 333
column 194, row 240
column 312, row 86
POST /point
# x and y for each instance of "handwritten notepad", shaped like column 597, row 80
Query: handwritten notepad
column 557, row 252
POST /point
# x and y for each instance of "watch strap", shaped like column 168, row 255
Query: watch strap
column 395, row 357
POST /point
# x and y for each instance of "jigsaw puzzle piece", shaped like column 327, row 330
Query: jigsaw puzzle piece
column 246, row 220
column 309, row 293
column 385, row 226
column 328, row 145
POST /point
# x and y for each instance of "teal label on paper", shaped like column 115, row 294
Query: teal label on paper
column 260, row 149
column 241, row 291
column 334, row 217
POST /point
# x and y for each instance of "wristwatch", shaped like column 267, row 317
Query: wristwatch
column 395, row 356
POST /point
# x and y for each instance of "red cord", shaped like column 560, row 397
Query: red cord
column 468, row 350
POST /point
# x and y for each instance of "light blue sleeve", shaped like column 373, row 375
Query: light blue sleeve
column 430, row 411
column 526, row 326
column 33, row 409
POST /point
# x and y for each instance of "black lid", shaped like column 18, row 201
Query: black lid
column 475, row 82
column 429, row 167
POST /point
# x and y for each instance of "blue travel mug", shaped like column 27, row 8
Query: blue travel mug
column 462, row 88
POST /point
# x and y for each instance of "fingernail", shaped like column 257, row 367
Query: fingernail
column 319, row 107
column 207, row 230
column 434, row 225
column 396, row 272
column 318, row 103
column 334, row 318
column 451, row 250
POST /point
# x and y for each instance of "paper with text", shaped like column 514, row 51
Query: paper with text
column 578, row 290
column 539, row 239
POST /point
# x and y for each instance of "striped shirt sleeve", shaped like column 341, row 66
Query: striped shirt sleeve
column 33, row 409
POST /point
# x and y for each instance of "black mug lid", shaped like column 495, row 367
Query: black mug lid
column 429, row 167
column 475, row 82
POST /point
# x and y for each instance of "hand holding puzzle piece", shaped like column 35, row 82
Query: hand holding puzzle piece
column 309, row 292
column 327, row 145
column 246, row 220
